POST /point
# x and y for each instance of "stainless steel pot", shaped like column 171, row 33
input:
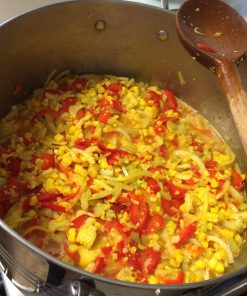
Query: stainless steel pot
column 114, row 37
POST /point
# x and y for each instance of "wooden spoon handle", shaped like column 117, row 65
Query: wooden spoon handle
column 237, row 98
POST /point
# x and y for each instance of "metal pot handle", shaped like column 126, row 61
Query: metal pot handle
column 82, row 288
column 231, row 287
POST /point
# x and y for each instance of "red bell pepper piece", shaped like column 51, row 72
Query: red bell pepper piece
column 104, row 102
column 80, row 114
column 138, row 211
column 196, row 171
column 205, row 47
column 66, row 103
column 100, row 263
column 197, row 147
column 176, row 192
column 171, row 102
column 14, row 166
column 118, row 105
column 170, row 206
column 63, row 170
column 77, row 84
column 175, row 143
column 210, row 164
column 104, row 116
column 178, row 280
column 47, row 196
column 186, row 233
column 114, row 87
column 124, row 200
column 53, row 206
column 47, row 111
column 85, row 143
column 166, row 119
column 79, row 221
column 106, row 251
column 150, row 260
column 163, row 150
column 48, row 161
column 155, row 223
column 115, row 224
column 13, row 182
column 153, row 185
column 159, row 129
column 71, row 196
column 82, row 144
column 155, row 97
column 26, row 141
column 26, row 204
column 189, row 181
column 237, row 181
column 120, row 249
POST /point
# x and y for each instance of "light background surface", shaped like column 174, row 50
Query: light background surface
column 12, row 8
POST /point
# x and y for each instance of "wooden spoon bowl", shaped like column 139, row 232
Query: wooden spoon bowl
column 216, row 35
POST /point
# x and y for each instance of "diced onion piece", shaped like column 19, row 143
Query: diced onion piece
column 101, row 194
column 124, row 170
column 106, row 172
column 225, row 188
column 223, row 246
column 50, row 76
column 196, row 30
column 181, row 78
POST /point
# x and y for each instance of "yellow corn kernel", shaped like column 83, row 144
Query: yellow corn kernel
column 66, row 161
column 217, row 256
column 59, row 138
column 73, row 248
column 71, row 235
column 238, row 238
column 103, row 163
column 92, row 171
column 179, row 258
column 171, row 227
column 133, row 250
column 227, row 172
column 201, row 236
column 219, row 268
column 110, row 146
column 200, row 264
column 2, row 172
column 227, row 233
column 214, row 210
column 209, row 226
column 173, row 262
column 33, row 200
column 153, row 280
column 204, row 244
column 212, row 263
column 214, row 183
column 80, row 170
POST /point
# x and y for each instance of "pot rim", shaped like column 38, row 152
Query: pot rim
column 77, row 270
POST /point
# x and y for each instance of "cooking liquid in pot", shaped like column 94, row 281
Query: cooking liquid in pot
column 121, row 179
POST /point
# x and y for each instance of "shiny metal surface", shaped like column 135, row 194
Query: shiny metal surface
column 64, row 37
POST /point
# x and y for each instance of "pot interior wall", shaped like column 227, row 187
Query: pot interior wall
column 64, row 37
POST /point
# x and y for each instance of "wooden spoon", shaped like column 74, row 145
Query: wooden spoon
column 216, row 35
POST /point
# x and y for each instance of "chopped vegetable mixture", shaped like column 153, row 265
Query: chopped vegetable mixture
column 121, row 179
